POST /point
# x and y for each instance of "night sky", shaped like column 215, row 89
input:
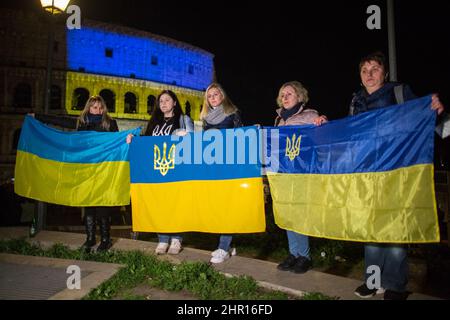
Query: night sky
column 259, row 46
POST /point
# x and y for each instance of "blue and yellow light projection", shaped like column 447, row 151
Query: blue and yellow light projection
column 139, row 66
column 103, row 52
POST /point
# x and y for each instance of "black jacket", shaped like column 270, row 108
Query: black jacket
column 383, row 97
column 71, row 123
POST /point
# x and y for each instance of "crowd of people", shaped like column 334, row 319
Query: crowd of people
column 219, row 112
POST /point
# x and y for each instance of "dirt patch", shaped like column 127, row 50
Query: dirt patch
column 150, row 293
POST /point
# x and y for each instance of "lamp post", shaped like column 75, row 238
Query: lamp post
column 52, row 7
column 391, row 41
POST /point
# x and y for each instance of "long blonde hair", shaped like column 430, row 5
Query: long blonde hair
column 228, row 106
column 106, row 119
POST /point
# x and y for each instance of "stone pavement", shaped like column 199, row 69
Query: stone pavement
column 39, row 278
column 264, row 272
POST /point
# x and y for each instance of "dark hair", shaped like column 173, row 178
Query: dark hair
column 378, row 57
column 158, row 116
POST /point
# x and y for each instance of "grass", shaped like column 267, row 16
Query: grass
column 198, row 278
column 336, row 257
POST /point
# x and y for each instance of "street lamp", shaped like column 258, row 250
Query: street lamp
column 53, row 7
column 391, row 41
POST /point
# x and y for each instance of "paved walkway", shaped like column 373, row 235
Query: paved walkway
column 264, row 272
column 41, row 278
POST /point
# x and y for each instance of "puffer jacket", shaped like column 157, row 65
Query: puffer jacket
column 302, row 117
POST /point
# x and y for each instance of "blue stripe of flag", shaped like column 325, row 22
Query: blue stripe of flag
column 199, row 166
column 73, row 147
column 377, row 141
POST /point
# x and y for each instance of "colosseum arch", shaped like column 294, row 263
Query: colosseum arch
column 130, row 102
column 110, row 99
column 23, row 94
column 151, row 103
column 79, row 98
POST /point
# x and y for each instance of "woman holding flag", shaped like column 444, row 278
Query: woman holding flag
column 94, row 117
column 292, row 100
column 220, row 113
column 391, row 259
column 167, row 119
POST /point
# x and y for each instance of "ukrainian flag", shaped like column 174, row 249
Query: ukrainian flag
column 208, row 182
column 82, row 168
column 364, row 178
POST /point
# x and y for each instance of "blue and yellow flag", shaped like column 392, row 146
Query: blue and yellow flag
column 82, row 168
column 363, row 178
column 207, row 181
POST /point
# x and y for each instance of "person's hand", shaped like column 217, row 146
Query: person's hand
column 320, row 120
column 181, row 133
column 31, row 114
column 129, row 138
column 436, row 104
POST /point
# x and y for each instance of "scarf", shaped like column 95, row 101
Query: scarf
column 287, row 113
column 94, row 118
column 215, row 115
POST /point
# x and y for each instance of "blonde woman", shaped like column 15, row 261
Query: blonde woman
column 94, row 117
column 292, row 100
column 219, row 113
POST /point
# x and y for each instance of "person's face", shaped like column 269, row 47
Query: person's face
column 96, row 108
column 372, row 76
column 289, row 98
column 166, row 104
column 215, row 97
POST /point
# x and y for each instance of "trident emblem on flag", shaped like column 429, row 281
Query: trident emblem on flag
column 293, row 147
column 164, row 164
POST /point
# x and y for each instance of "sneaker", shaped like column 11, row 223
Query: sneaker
column 215, row 252
column 381, row 290
column 288, row 263
column 219, row 256
column 302, row 265
column 364, row 292
column 394, row 295
column 161, row 248
column 175, row 247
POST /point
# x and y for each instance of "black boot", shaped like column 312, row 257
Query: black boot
column 90, row 232
column 106, row 243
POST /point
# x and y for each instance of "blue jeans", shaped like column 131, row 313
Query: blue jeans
column 225, row 242
column 165, row 238
column 393, row 262
column 298, row 244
